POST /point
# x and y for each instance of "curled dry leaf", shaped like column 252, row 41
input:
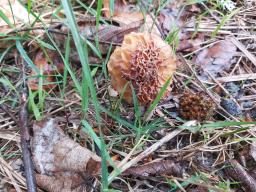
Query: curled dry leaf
column 144, row 60
column 61, row 162
column 129, row 15
column 124, row 13
column 215, row 59
column 49, row 66
column 108, row 34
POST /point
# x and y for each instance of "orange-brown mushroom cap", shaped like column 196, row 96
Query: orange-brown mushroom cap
column 144, row 60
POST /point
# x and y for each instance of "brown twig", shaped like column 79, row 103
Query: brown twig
column 7, row 111
column 238, row 173
column 25, row 139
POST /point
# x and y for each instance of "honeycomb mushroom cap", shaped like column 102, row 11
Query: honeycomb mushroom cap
column 144, row 60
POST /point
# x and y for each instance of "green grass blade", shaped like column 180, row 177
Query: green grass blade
column 83, row 54
column 215, row 125
column 158, row 98
column 223, row 21
column 111, row 7
column 104, row 167
column 98, row 16
column 88, row 129
column 66, row 64
column 104, row 65
column 26, row 57
column 6, row 19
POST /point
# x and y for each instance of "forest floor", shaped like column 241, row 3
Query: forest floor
column 197, row 134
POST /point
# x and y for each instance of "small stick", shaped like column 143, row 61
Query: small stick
column 147, row 152
column 25, row 138
column 238, row 173
column 10, row 114
column 211, row 13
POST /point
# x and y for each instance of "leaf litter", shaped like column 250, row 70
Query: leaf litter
column 60, row 161
column 63, row 164
column 216, row 59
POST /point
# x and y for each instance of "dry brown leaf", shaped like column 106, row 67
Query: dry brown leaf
column 124, row 13
column 61, row 162
column 188, row 44
column 174, row 19
column 215, row 59
column 107, row 34
column 66, row 183
column 17, row 15
column 49, row 65
column 155, row 168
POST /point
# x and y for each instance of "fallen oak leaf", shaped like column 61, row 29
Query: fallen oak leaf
column 115, row 34
column 107, row 34
column 63, row 160
column 59, row 152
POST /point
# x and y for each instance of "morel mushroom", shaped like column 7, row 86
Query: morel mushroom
column 145, row 62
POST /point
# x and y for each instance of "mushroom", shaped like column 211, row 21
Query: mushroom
column 143, row 61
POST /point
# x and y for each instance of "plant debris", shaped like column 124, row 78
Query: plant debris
column 238, row 173
column 166, row 167
column 123, row 13
column 174, row 20
column 58, row 158
column 216, row 59
column 195, row 106
column 49, row 65
column 231, row 107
